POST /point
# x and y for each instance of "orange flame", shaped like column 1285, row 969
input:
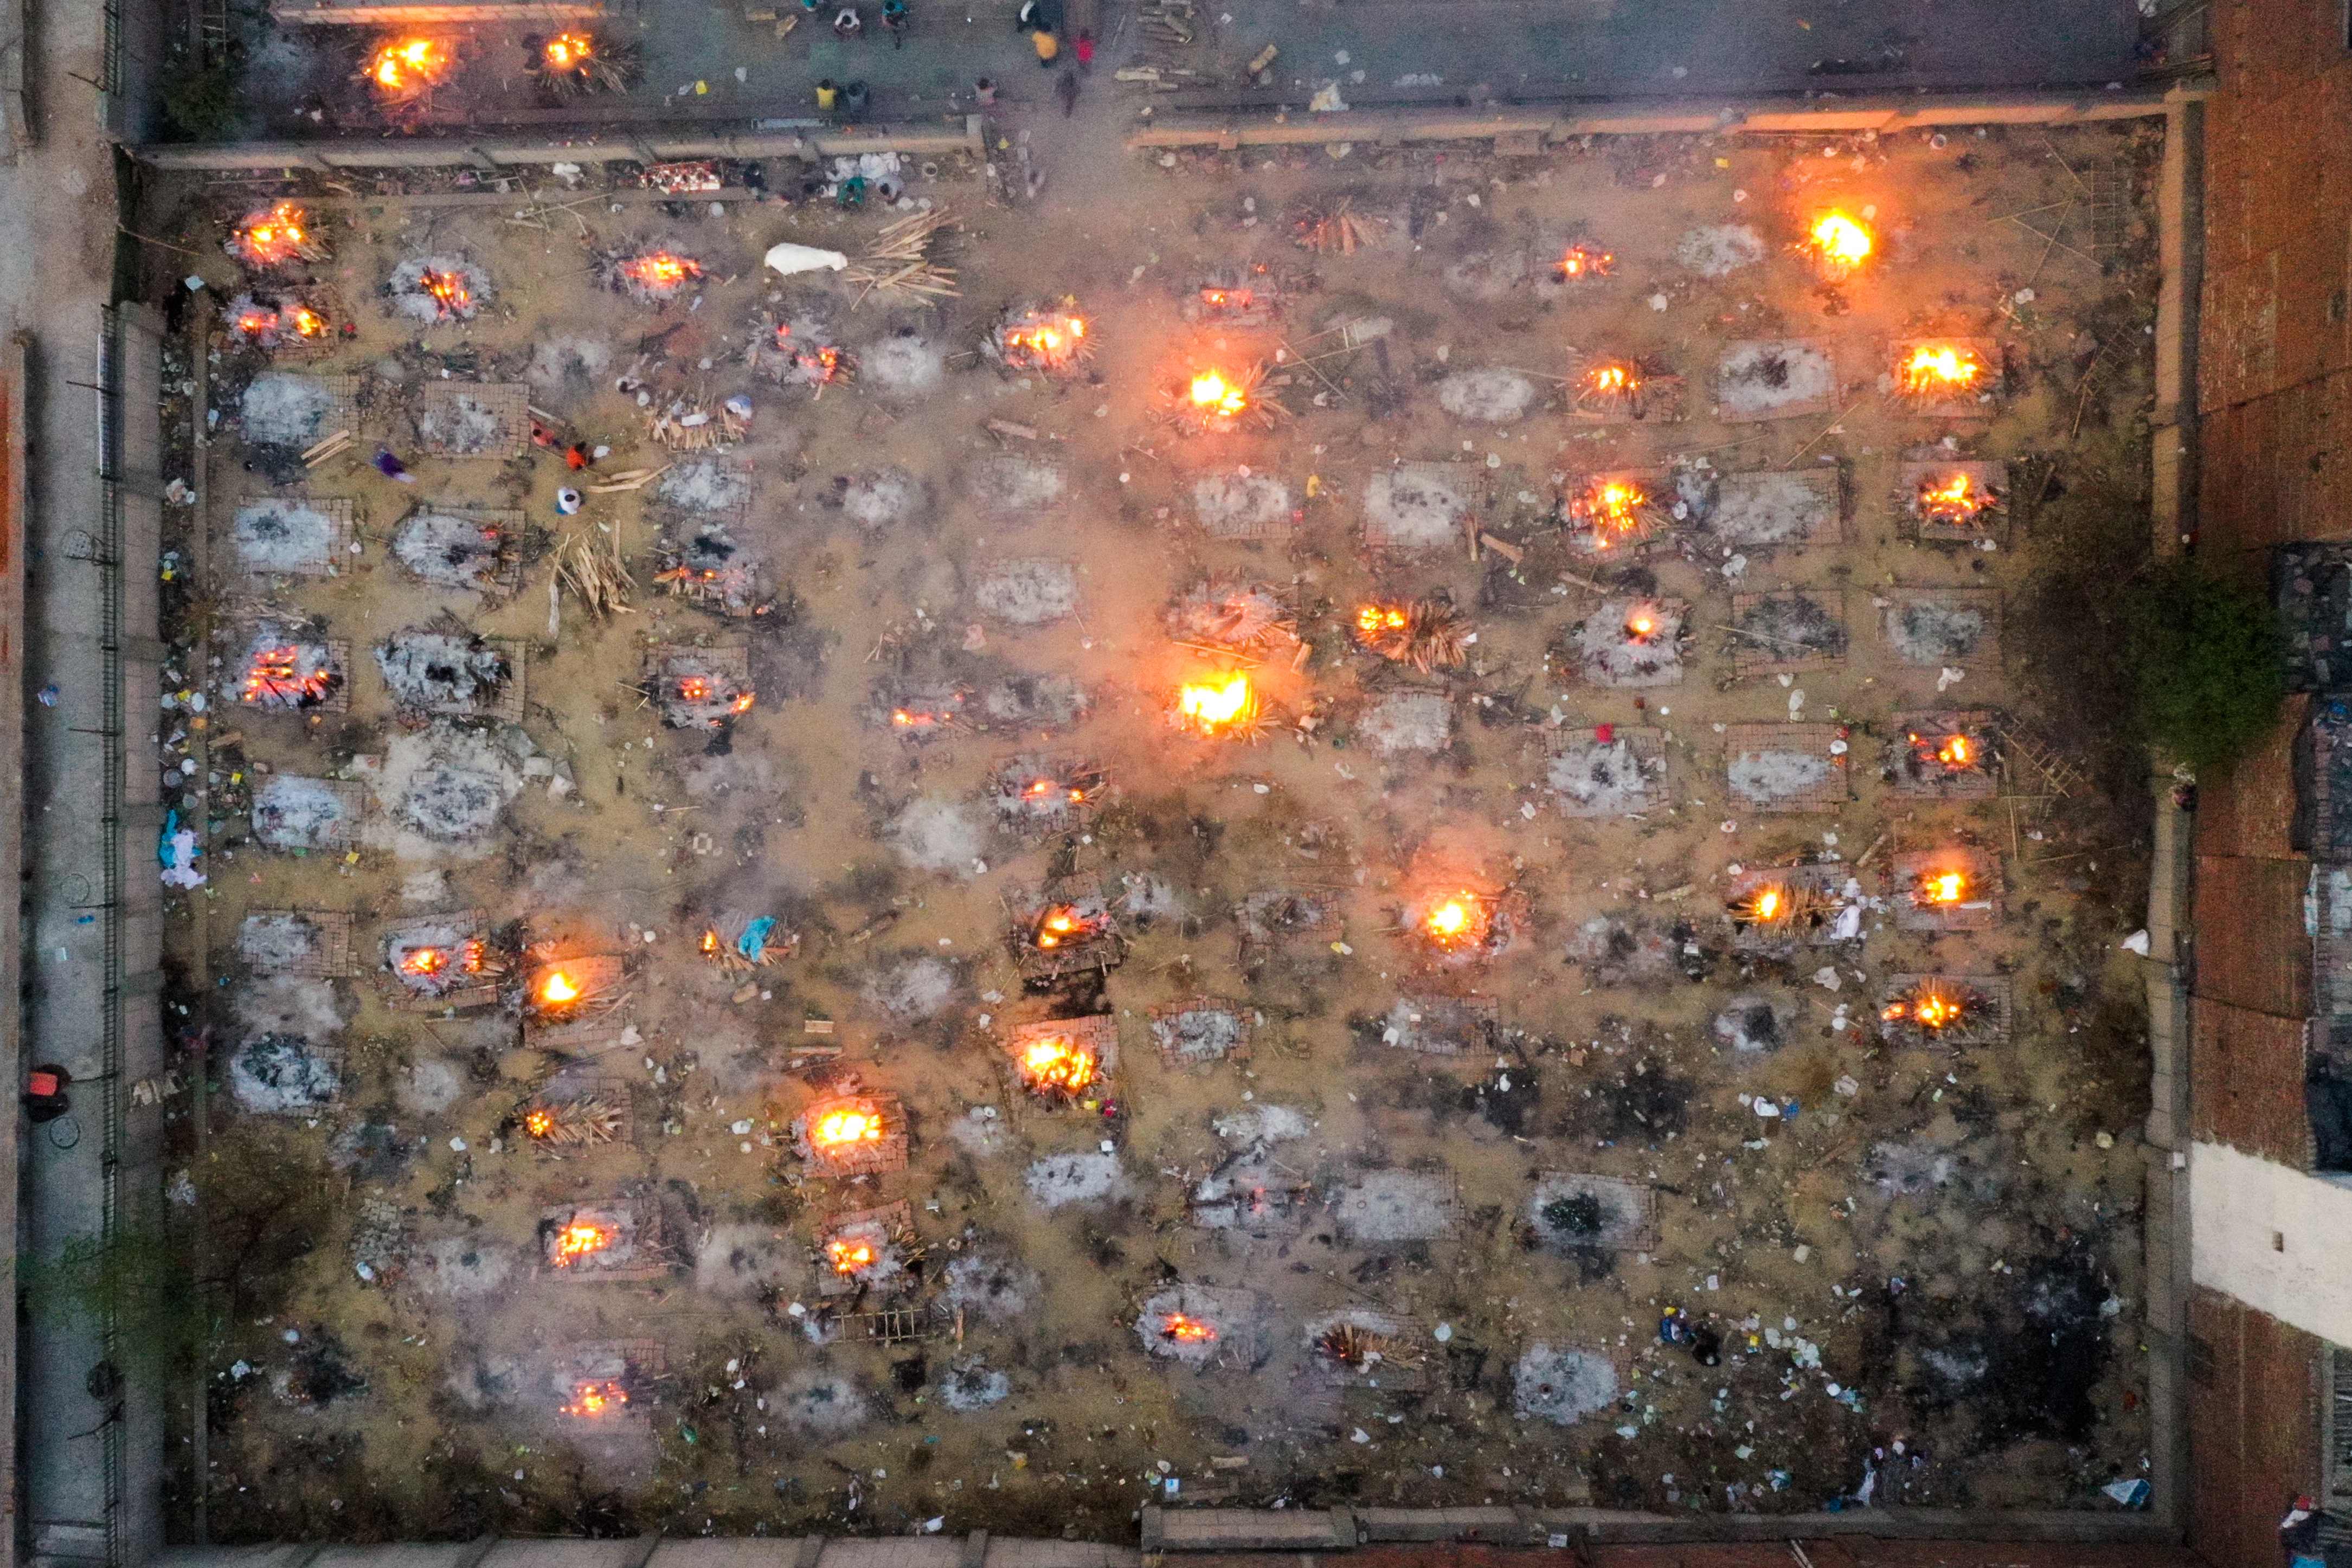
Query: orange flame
column 557, row 989
column 1180, row 1330
column 1928, row 1007
column 1373, row 619
column 659, row 271
column 539, row 1122
column 695, row 688
column 408, row 65
column 258, row 323
column 1838, row 243
column 424, row 960
column 1211, row 708
column 847, row 1256
column 1215, row 396
column 1044, row 345
column 1640, row 626
column 1581, row 260
column 267, row 238
column 1943, row 886
column 1057, row 1064
column 1955, row 500
column 1766, row 905
column 1941, row 368
column 276, row 678
column 837, row 1128
column 307, row 323
column 569, row 51
column 579, row 1240
column 448, row 291
column 592, row 1398
column 1955, row 751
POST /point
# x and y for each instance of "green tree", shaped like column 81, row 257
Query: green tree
column 2208, row 662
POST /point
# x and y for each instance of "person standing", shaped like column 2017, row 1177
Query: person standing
column 828, row 93
column 1048, row 46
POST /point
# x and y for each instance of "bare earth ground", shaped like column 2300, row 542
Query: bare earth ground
column 1935, row 1248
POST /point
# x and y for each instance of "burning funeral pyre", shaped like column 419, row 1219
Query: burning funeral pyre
column 1218, row 707
column 1212, row 399
column 1941, row 754
column 271, row 323
column 1955, row 500
column 406, row 70
column 274, row 237
column 592, row 1398
column 1066, row 1062
column 1623, row 388
column 650, row 274
column 1064, row 927
column 1836, row 245
column 1942, row 374
column 581, row 1120
column 433, row 958
column 869, row 1250
column 852, row 1134
column 437, row 290
column 1036, row 795
column 697, row 688
column 1957, row 887
column 714, row 571
column 569, row 990
column 1458, row 924
column 1231, row 613
column 1039, row 338
column 738, row 944
column 1429, row 634
column 576, row 61
column 600, row 1241
column 289, row 669
column 1942, row 1010
column 1197, row 1326
column 1630, row 643
column 1774, row 910
column 920, row 712
column 1610, row 512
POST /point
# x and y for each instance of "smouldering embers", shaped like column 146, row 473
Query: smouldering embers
column 402, row 69
column 433, row 969
column 1781, row 905
column 268, row 325
column 1931, row 1005
column 576, row 61
column 1352, row 1347
column 437, row 290
column 1935, row 373
column 1042, row 339
column 1063, row 925
column 594, row 1396
column 1953, row 752
column 1838, row 244
column 1178, row 1329
column 1618, row 387
column 1428, row 633
column 275, row 236
column 1583, row 262
column 289, row 675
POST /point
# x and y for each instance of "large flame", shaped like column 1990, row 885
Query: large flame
column 448, row 291
column 1213, row 394
column 1056, row 1063
column 408, row 65
column 1943, row 886
column 578, row 1241
column 1211, row 708
column 1764, row 906
column 659, row 271
column 847, row 1254
column 1180, row 1330
column 1048, row 344
column 1641, row 624
column 569, row 51
column 538, row 1121
column 278, row 234
column 1928, row 1007
column 557, row 989
column 1936, row 368
column 838, row 1128
column 1838, row 242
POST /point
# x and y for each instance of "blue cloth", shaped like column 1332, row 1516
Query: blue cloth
column 754, row 940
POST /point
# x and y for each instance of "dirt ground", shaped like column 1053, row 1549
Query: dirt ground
column 1432, row 1199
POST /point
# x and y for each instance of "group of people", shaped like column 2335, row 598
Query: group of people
column 1041, row 19
column 847, row 24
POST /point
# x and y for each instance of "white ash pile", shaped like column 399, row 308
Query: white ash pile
column 463, row 425
column 442, row 668
column 1562, row 1386
column 434, row 290
column 1632, row 643
column 451, row 551
column 293, row 536
column 1036, row 793
column 875, row 499
column 707, row 486
column 285, row 408
column 283, row 1075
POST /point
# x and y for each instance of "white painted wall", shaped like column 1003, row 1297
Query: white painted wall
column 2238, row 1208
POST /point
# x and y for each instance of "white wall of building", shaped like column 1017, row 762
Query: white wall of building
column 2275, row 1238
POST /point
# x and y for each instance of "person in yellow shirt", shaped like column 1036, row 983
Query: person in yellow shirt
column 1047, row 45
column 828, row 93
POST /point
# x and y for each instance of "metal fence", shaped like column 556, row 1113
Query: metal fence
column 107, row 559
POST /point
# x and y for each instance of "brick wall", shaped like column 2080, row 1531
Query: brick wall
column 2254, row 1413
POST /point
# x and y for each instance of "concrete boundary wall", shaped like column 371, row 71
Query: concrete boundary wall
column 1831, row 116
column 541, row 152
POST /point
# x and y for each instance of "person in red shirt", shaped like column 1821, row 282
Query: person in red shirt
column 1085, row 50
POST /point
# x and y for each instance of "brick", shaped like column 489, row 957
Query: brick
column 2246, row 1082
column 2247, row 807
column 2251, row 950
